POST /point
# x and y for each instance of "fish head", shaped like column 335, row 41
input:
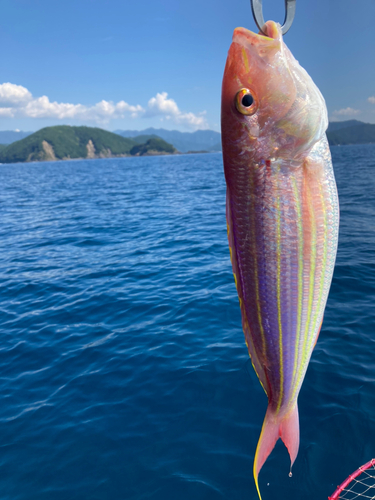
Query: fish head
column 271, row 108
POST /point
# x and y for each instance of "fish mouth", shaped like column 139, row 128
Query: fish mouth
column 249, row 39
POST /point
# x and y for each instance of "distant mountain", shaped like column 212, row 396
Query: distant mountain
column 345, row 132
column 362, row 133
column 201, row 140
column 333, row 126
column 64, row 142
column 9, row 136
column 216, row 147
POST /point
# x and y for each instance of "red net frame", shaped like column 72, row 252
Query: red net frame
column 353, row 488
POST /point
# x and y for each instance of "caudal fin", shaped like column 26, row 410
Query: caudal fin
column 275, row 427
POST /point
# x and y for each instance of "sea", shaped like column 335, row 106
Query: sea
column 124, row 373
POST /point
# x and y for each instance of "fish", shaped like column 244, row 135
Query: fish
column 282, row 215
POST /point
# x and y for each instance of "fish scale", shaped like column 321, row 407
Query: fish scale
column 282, row 217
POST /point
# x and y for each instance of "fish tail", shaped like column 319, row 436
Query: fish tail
column 274, row 427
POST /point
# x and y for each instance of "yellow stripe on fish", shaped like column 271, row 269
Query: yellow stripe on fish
column 278, row 286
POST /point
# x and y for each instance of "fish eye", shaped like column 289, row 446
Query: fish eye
column 246, row 102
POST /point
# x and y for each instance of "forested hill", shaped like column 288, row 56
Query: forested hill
column 357, row 133
column 64, row 142
column 333, row 126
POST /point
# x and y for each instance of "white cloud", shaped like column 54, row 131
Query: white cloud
column 17, row 101
column 347, row 112
column 43, row 108
column 371, row 99
column 8, row 112
column 14, row 95
column 101, row 112
column 160, row 105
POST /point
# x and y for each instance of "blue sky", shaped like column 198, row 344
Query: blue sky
column 131, row 65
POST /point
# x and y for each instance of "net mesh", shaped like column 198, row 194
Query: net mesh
column 360, row 487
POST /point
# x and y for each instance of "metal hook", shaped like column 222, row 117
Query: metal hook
column 290, row 11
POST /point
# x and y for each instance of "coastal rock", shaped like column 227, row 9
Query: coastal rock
column 90, row 149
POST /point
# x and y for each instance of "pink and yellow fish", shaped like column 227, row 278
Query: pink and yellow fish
column 282, row 215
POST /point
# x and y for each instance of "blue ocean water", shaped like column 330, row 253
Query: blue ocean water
column 123, row 368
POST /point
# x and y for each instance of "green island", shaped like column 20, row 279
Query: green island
column 64, row 142
column 152, row 146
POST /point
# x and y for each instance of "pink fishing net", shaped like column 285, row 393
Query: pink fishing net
column 359, row 485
